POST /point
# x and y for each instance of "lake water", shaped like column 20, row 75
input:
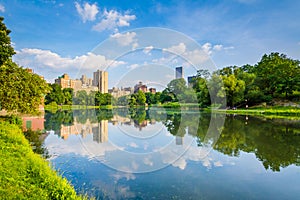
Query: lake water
column 165, row 154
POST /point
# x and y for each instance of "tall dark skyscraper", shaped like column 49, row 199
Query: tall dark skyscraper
column 179, row 72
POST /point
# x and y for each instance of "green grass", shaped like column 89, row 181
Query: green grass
column 286, row 111
column 24, row 174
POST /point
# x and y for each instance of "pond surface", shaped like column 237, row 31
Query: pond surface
column 162, row 154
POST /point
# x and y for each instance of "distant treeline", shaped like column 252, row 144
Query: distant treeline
column 66, row 96
column 274, row 77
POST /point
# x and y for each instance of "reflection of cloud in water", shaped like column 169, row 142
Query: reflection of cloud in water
column 106, row 153
column 121, row 151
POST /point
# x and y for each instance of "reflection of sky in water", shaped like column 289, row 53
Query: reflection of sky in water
column 221, row 177
column 86, row 163
column 151, row 138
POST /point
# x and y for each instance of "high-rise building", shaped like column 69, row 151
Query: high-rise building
column 84, row 79
column 179, row 72
column 101, row 81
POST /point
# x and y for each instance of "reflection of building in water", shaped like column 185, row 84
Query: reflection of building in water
column 122, row 120
column 77, row 128
column 33, row 123
column 140, row 125
column 179, row 140
column 100, row 133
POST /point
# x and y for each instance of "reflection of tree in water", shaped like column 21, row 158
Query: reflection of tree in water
column 174, row 126
column 274, row 143
column 138, row 115
column 36, row 140
column 53, row 121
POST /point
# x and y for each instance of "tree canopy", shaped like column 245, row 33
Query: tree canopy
column 6, row 50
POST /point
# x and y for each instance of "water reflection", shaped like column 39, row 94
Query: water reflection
column 240, row 166
column 275, row 142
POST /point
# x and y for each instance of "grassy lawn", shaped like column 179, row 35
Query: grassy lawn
column 274, row 110
column 24, row 174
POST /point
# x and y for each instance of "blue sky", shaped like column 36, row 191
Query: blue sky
column 53, row 37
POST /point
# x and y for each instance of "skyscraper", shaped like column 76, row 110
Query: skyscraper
column 179, row 72
column 101, row 81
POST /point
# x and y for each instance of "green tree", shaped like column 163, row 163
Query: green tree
column 177, row 87
column 20, row 91
column 68, row 96
column 103, row 99
column 234, row 89
column 167, row 96
column 216, row 90
column 150, row 98
column 200, row 87
column 278, row 74
column 91, row 98
column 123, row 100
column 132, row 101
column 56, row 95
column 6, row 50
column 140, row 98
column 81, row 98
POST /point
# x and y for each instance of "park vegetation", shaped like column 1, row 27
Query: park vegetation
column 67, row 96
column 274, row 78
column 24, row 174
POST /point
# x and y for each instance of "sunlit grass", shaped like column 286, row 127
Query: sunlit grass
column 24, row 174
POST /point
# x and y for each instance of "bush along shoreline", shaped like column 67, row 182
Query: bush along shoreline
column 24, row 174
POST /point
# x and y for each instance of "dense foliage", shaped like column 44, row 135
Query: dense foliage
column 67, row 96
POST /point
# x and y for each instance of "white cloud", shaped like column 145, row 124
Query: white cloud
column 112, row 19
column 218, row 164
column 133, row 145
column 2, row 8
column 148, row 49
column 180, row 54
column 87, row 12
column 207, row 48
column 218, row 47
column 197, row 56
column 126, row 39
column 177, row 49
column 48, row 59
